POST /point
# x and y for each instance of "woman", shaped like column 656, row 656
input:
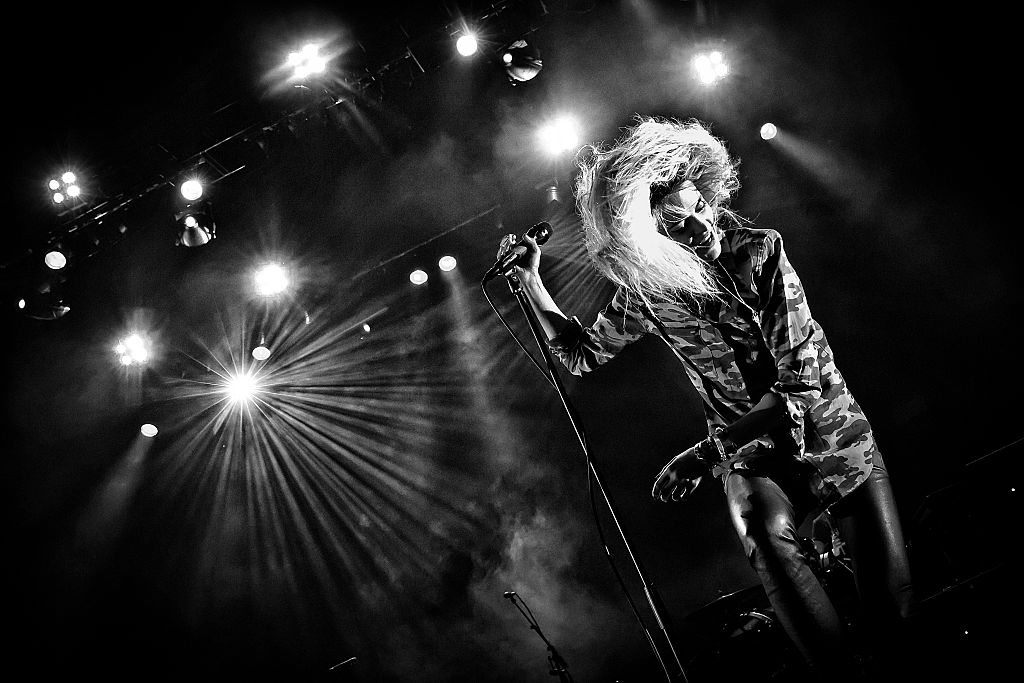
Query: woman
column 786, row 437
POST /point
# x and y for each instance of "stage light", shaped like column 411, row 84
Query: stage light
column 148, row 430
column 66, row 187
column 261, row 352
column 466, row 44
column 55, row 259
column 132, row 350
column 446, row 263
column 366, row 327
column 552, row 193
column 45, row 301
column 768, row 131
column 191, row 189
column 711, row 67
column 417, row 277
column 307, row 61
column 241, row 388
column 196, row 226
column 559, row 135
column 522, row 61
column 271, row 279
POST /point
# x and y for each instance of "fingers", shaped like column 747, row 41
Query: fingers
column 682, row 490
column 507, row 242
column 669, row 486
column 676, row 491
column 666, row 485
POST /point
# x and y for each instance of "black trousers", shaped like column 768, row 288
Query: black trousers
column 767, row 506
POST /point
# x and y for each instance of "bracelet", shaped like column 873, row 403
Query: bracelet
column 715, row 448
column 724, row 446
column 708, row 453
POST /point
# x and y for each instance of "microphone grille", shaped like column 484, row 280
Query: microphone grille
column 541, row 232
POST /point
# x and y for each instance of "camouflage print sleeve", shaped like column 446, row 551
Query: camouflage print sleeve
column 790, row 332
column 583, row 349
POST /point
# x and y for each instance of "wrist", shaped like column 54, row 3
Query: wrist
column 708, row 453
column 724, row 442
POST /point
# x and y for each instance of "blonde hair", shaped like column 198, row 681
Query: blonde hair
column 621, row 222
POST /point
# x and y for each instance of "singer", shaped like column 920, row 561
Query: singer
column 786, row 438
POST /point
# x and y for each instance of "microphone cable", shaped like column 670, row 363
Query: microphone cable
column 591, row 494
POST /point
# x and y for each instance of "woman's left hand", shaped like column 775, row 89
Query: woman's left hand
column 678, row 479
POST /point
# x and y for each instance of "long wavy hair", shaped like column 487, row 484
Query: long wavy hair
column 619, row 192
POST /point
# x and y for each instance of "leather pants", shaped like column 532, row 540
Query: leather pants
column 767, row 506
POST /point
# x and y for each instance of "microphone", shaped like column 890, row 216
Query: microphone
column 540, row 233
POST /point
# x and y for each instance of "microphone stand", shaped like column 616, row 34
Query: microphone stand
column 559, row 667
column 531, row 316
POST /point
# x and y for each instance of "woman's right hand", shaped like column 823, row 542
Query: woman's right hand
column 529, row 262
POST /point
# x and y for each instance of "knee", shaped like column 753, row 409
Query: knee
column 770, row 541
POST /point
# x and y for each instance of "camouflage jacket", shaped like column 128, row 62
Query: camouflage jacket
column 759, row 337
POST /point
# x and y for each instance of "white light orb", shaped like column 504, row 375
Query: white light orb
column 55, row 260
column 261, row 352
column 241, row 388
column 466, row 44
column 191, row 189
column 417, row 277
column 446, row 263
column 149, row 430
column 768, row 131
column 559, row 135
column 271, row 279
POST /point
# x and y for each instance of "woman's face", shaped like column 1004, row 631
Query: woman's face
column 690, row 220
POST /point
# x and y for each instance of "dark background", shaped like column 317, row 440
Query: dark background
column 389, row 486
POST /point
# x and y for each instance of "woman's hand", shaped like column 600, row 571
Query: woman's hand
column 678, row 479
column 529, row 263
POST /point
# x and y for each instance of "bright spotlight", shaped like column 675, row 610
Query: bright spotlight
column 191, row 189
column 466, row 44
column 307, row 61
column 55, row 260
column 768, row 131
column 559, row 135
column 446, row 263
column 271, row 279
column 710, row 67
column 132, row 350
column 366, row 327
column 417, row 277
column 65, row 188
column 149, row 430
column 241, row 388
column 261, row 352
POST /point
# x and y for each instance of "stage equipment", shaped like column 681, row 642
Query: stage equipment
column 557, row 665
column 505, row 265
column 522, row 61
column 195, row 223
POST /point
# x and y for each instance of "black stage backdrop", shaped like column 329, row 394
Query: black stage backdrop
column 404, row 464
